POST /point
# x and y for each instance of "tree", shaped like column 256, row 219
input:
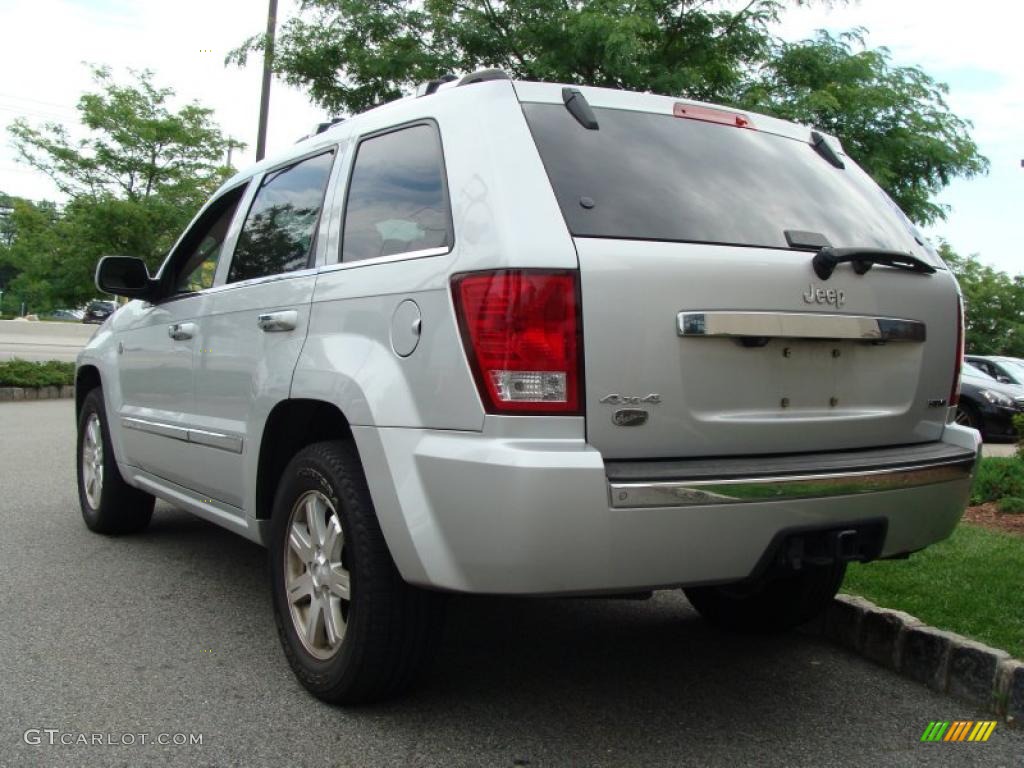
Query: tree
column 993, row 305
column 134, row 182
column 894, row 121
column 353, row 54
column 137, row 147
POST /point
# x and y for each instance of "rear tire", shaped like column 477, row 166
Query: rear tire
column 109, row 505
column 773, row 604
column 352, row 629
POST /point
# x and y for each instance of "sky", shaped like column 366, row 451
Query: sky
column 974, row 47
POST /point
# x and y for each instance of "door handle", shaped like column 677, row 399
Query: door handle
column 181, row 331
column 286, row 320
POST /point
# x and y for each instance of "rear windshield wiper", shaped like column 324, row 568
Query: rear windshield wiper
column 826, row 260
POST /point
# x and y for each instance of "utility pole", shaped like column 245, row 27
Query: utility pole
column 268, row 70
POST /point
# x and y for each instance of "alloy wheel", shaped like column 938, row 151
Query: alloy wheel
column 92, row 461
column 317, row 583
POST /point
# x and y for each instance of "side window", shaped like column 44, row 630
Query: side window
column 278, row 232
column 204, row 243
column 397, row 197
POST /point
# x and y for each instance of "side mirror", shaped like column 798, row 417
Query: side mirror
column 125, row 276
column 1004, row 378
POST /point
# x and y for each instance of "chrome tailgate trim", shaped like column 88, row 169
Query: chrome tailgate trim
column 797, row 325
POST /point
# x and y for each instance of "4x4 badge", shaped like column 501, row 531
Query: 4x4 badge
column 615, row 399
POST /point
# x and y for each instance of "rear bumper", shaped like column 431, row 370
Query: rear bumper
column 477, row 513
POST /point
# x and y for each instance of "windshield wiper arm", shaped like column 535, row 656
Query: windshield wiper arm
column 827, row 258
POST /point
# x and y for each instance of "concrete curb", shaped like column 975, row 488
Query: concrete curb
column 12, row 394
column 944, row 661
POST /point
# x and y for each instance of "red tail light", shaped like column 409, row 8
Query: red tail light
column 954, row 393
column 521, row 329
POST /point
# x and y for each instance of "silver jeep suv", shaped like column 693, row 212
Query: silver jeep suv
column 521, row 338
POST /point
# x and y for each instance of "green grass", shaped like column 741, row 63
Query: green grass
column 22, row 373
column 972, row 583
column 998, row 477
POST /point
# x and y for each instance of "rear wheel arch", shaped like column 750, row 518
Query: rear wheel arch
column 291, row 426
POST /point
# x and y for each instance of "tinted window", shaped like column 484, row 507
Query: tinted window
column 204, row 244
column 651, row 176
column 397, row 200
column 278, row 232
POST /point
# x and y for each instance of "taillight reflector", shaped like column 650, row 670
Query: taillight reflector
column 521, row 330
column 954, row 393
column 711, row 115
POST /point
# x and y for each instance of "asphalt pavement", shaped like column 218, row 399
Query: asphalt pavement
column 43, row 340
column 170, row 632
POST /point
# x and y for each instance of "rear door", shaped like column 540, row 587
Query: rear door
column 254, row 324
column 706, row 330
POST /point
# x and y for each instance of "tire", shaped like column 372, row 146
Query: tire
column 771, row 604
column 109, row 506
column 967, row 416
column 372, row 644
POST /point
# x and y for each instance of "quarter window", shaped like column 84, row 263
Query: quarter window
column 397, row 196
column 278, row 232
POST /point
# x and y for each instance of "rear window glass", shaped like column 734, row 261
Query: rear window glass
column 659, row 177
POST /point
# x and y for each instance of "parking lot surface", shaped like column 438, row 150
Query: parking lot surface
column 28, row 340
column 171, row 632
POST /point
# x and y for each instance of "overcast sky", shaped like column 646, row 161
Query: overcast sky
column 974, row 47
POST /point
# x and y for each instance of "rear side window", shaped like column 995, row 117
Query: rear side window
column 658, row 177
column 278, row 232
column 397, row 197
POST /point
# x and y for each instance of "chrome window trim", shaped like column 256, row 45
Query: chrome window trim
column 304, row 272
column 357, row 142
column 405, row 256
column 220, row 440
column 797, row 325
column 638, row 495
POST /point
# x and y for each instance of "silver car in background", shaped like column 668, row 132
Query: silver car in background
column 533, row 339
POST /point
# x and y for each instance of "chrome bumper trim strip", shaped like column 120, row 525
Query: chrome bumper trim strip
column 761, row 489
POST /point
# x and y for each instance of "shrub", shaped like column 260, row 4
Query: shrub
column 1018, row 424
column 998, row 478
column 22, row 373
column 1011, row 505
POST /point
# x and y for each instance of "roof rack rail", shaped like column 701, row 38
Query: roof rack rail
column 480, row 76
column 483, row 75
column 431, row 87
column 321, row 127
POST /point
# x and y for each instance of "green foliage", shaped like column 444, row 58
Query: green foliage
column 1011, row 505
column 353, row 54
column 997, row 478
column 969, row 584
column 894, row 121
column 136, row 147
column 134, row 183
column 993, row 306
column 22, row 373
